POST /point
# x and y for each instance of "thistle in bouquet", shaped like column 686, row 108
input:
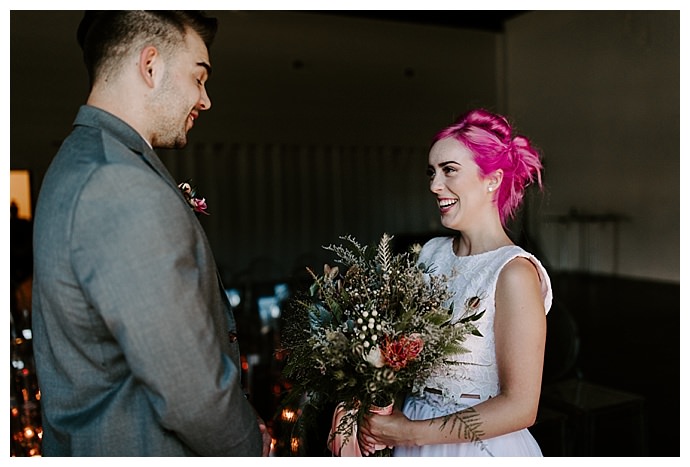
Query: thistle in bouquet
column 368, row 328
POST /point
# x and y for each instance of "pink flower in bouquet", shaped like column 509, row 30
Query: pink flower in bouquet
column 397, row 353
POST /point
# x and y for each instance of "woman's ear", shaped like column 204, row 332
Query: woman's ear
column 494, row 180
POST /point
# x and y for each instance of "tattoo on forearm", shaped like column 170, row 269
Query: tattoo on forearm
column 468, row 425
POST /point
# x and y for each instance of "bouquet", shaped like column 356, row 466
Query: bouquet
column 364, row 334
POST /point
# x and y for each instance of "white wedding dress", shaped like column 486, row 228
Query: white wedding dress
column 455, row 387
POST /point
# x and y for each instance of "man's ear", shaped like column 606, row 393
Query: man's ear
column 149, row 65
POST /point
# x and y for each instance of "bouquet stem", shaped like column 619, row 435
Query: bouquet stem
column 381, row 449
column 346, row 444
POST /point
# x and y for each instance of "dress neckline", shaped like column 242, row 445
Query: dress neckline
column 475, row 255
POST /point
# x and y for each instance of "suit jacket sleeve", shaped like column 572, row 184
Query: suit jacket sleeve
column 148, row 271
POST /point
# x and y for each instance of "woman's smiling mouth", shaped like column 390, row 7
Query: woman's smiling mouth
column 445, row 204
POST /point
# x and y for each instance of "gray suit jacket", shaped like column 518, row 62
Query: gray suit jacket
column 130, row 320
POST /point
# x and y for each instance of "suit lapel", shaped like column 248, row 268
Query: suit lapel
column 98, row 118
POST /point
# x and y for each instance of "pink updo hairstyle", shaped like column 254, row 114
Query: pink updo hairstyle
column 490, row 138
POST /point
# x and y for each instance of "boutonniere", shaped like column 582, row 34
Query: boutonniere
column 189, row 193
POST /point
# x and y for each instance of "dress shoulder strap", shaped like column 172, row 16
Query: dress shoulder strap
column 510, row 253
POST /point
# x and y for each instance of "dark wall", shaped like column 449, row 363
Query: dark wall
column 629, row 334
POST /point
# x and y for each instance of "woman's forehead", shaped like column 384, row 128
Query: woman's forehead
column 449, row 150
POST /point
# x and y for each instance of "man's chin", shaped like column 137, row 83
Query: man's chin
column 177, row 143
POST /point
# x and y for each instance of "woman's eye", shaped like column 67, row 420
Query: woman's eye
column 430, row 173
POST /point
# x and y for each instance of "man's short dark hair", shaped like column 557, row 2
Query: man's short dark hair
column 106, row 36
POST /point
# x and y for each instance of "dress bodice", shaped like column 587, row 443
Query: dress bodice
column 472, row 279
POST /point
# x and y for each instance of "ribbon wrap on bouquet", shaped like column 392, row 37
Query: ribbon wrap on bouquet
column 348, row 446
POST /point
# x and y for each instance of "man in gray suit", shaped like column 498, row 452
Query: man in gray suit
column 133, row 332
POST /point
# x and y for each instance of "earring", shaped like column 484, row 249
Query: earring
column 491, row 189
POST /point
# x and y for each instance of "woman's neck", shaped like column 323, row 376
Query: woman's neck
column 467, row 245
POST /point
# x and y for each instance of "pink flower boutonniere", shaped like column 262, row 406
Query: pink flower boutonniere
column 189, row 193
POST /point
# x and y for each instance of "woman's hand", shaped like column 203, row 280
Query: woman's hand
column 383, row 430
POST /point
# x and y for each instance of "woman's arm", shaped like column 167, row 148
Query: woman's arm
column 520, row 331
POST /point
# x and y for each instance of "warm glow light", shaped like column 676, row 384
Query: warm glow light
column 29, row 432
column 20, row 192
column 288, row 415
column 294, row 445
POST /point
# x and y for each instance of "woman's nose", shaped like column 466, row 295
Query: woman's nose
column 435, row 184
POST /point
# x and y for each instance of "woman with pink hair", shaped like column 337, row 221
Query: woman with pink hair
column 481, row 402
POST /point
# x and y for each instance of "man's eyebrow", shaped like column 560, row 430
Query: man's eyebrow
column 205, row 65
